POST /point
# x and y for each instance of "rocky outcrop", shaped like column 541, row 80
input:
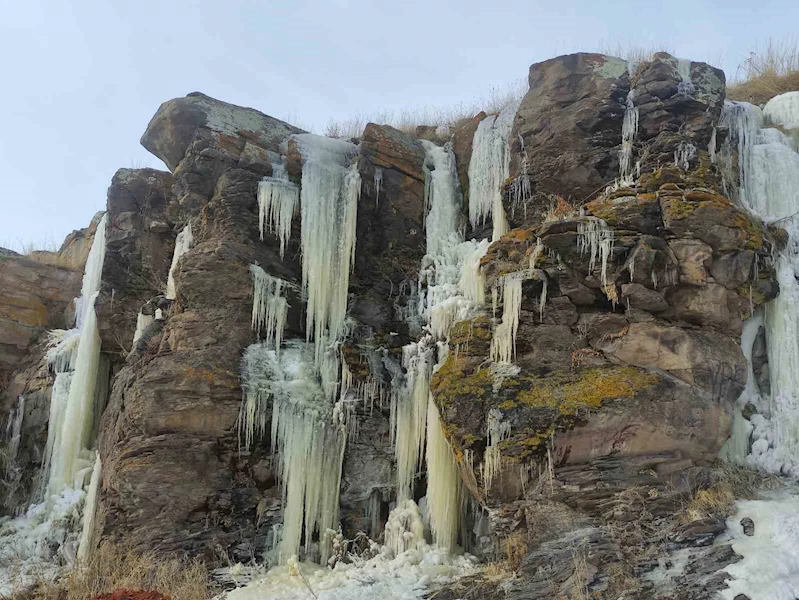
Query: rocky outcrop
column 567, row 131
column 33, row 297
column 139, row 243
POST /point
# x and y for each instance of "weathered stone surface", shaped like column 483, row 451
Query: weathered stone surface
column 33, row 297
column 139, row 245
column 570, row 123
column 711, row 304
column 694, row 258
column 74, row 250
column 638, row 296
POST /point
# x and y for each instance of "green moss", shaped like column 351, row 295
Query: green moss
column 464, row 332
column 675, row 207
column 452, row 381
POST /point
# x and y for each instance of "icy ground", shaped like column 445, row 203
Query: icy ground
column 407, row 576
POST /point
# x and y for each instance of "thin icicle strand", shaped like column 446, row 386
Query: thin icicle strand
column 443, row 482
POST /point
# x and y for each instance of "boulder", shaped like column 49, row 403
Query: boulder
column 569, row 124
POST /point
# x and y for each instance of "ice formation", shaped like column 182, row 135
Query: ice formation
column 442, row 198
column 488, row 170
column 768, row 186
column 629, row 131
column 497, row 431
column 73, row 424
column 411, row 415
column 14, row 432
column 30, row 542
column 503, row 344
column 378, row 181
column 310, row 442
column 269, row 306
column 596, row 239
column 183, row 242
column 783, row 110
column 89, row 509
column 142, row 322
column 277, row 202
column 443, row 482
column 331, row 186
column 770, row 566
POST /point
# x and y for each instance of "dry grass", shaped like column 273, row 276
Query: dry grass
column 631, row 52
column 114, row 567
column 442, row 118
column 730, row 484
column 769, row 71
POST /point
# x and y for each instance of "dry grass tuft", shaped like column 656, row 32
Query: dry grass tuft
column 768, row 72
column 113, row 567
column 633, row 53
column 731, row 483
column 442, row 118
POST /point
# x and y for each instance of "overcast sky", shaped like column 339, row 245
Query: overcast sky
column 82, row 78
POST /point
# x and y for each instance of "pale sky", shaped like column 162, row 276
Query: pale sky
column 82, row 78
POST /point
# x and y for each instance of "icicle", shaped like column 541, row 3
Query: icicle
column 521, row 188
column 596, row 238
column 488, row 170
column 269, row 307
column 683, row 155
column 62, row 349
column 309, row 435
column 411, row 417
column 443, row 482
column 277, row 203
column 89, row 510
column 14, row 432
column 629, row 131
column 142, row 322
column 497, row 431
column 183, row 242
column 331, row 186
column 472, row 280
column 378, row 182
column 503, row 344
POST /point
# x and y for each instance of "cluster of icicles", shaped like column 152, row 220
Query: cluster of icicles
column 305, row 389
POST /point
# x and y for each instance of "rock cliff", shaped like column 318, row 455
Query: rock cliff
column 635, row 273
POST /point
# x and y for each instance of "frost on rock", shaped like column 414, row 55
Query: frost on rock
column 308, row 436
column 278, row 200
column 331, row 186
column 269, row 306
column 183, row 242
column 488, row 170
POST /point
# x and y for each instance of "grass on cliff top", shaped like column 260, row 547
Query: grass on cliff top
column 442, row 118
column 769, row 71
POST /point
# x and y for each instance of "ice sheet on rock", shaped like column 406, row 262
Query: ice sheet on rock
column 783, row 110
column 489, row 168
column 183, row 243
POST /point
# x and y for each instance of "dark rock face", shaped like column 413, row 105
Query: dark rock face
column 570, row 125
column 139, row 246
